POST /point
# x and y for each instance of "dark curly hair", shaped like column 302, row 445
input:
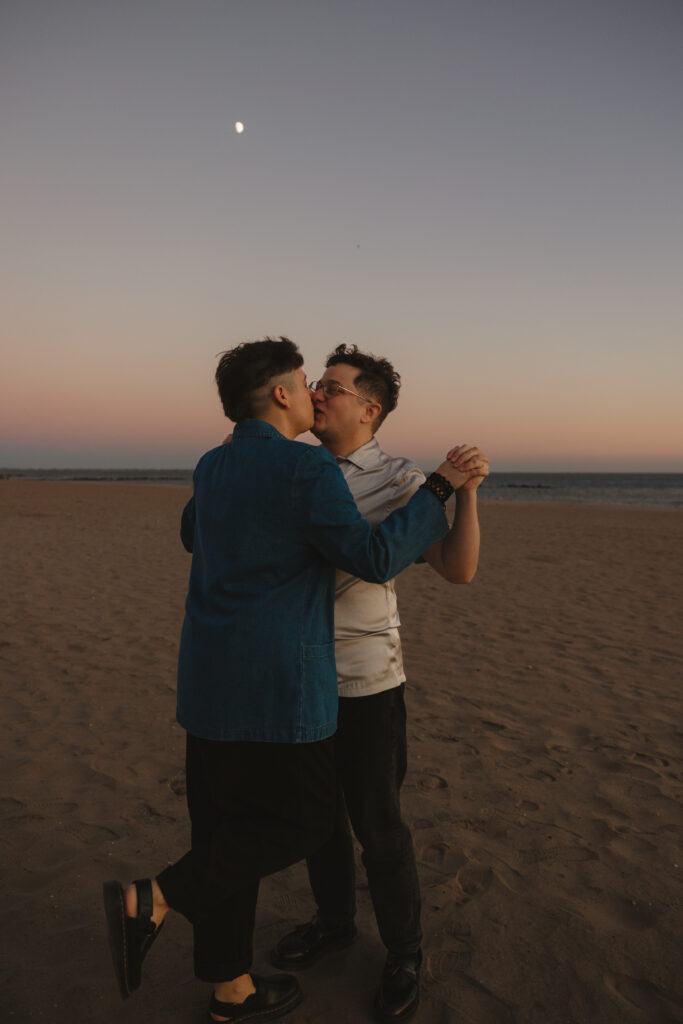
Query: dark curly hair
column 244, row 372
column 377, row 378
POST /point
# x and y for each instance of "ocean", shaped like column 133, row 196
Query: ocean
column 590, row 488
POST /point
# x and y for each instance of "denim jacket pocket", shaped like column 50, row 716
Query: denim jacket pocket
column 314, row 652
column 318, row 694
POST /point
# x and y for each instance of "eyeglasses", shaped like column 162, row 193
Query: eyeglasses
column 330, row 388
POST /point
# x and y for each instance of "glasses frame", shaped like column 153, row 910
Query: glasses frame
column 321, row 385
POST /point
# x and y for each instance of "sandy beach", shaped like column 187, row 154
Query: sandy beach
column 544, row 788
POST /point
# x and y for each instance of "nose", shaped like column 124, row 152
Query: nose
column 318, row 396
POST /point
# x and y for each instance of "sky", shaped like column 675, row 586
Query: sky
column 487, row 192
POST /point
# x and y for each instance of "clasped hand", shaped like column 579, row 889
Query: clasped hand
column 465, row 467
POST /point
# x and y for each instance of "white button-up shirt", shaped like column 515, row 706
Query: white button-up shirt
column 367, row 642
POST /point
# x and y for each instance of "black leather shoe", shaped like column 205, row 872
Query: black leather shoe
column 399, row 990
column 129, row 937
column 307, row 943
column 275, row 996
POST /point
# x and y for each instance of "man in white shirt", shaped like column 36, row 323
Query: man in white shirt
column 351, row 401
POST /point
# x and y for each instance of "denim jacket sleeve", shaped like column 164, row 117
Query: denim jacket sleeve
column 335, row 528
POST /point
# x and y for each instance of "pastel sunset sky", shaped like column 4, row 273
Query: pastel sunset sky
column 487, row 192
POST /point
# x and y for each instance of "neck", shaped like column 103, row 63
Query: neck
column 281, row 422
column 341, row 447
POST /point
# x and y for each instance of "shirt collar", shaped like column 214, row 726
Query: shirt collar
column 366, row 457
column 255, row 428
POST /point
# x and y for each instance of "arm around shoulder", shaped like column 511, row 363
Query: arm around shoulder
column 341, row 536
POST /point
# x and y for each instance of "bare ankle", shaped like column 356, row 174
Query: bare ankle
column 160, row 905
column 236, row 990
column 130, row 896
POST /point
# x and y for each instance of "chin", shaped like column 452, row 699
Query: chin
column 322, row 432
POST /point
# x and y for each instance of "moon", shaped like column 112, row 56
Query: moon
column 239, row 127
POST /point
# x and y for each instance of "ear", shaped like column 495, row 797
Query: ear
column 370, row 412
column 280, row 396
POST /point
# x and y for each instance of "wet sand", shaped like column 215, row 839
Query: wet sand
column 544, row 788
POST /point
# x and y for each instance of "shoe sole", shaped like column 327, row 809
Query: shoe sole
column 115, row 912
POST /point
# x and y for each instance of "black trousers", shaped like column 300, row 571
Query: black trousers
column 371, row 763
column 255, row 808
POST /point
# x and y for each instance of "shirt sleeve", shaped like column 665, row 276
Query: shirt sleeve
column 407, row 484
column 335, row 528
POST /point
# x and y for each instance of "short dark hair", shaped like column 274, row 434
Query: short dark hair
column 377, row 378
column 245, row 370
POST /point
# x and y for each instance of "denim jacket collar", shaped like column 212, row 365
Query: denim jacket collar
column 255, row 428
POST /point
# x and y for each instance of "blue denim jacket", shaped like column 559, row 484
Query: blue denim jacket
column 269, row 521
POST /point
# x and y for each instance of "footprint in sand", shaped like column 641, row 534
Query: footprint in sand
column 288, row 903
column 474, row 1003
column 442, row 857
column 177, row 784
column 442, row 964
column 474, row 879
column 526, row 806
column 464, row 749
column 615, row 912
column 635, row 993
column 463, row 878
column 458, row 929
column 644, row 791
column 512, row 760
column 57, row 808
column 636, row 771
column 659, row 762
column 430, row 780
column 8, row 805
column 89, row 833
column 496, row 726
column 145, row 812
column 628, row 846
column 561, row 854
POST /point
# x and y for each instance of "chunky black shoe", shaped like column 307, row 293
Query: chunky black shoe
column 274, row 997
column 129, row 937
column 307, row 943
column 399, row 990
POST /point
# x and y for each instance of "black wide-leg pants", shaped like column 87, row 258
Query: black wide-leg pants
column 255, row 808
column 371, row 751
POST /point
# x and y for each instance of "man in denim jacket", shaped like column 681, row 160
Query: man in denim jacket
column 269, row 521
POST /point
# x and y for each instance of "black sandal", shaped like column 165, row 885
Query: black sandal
column 275, row 996
column 129, row 937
